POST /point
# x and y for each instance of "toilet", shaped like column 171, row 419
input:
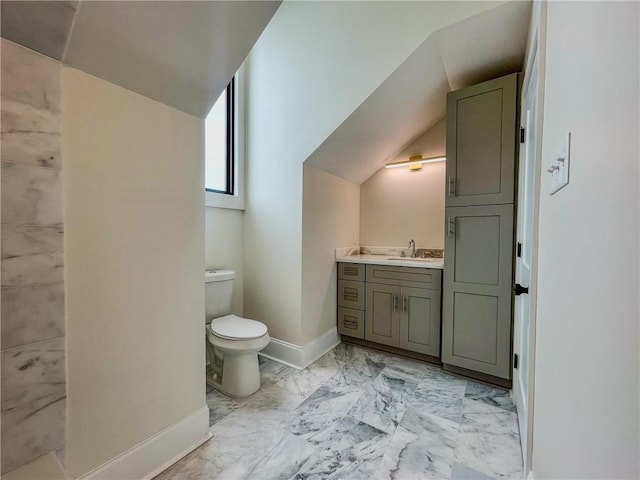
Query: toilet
column 232, row 342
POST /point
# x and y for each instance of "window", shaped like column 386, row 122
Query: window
column 219, row 144
column 224, row 148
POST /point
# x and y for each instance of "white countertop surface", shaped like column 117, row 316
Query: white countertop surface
column 395, row 261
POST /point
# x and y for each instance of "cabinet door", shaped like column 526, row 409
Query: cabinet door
column 481, row 143
column 477, row 295
column 420, row 320
column 381, row 314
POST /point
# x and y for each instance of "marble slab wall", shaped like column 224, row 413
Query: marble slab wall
column 32, row 327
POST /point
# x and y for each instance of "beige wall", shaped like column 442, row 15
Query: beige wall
column 330, row 211
column 586, row 416
column 296, row 97
column 397, row 204
column 134, row 250
column 223, row 247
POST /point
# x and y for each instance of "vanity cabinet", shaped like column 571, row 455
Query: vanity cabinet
column 402, row 307
column 481, row 143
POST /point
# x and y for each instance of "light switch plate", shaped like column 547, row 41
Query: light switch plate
column 559, row 166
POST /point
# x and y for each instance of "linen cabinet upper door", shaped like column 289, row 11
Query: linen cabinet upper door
column 481, row 143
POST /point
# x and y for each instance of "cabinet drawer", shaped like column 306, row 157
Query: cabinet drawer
column 351, row 271
column 351, row 294
column 405, row 276
column 351, row 322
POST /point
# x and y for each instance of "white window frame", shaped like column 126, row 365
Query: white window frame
column 235, row 201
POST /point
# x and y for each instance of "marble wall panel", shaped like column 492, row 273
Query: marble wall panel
column 32, row 372
column 31, row 147
column 31, row 430
column 30, row 135
column 31, row 313
column 19, row 117
column 28, row 77
column 31, row 195
column 31, row 255
column 32, row 328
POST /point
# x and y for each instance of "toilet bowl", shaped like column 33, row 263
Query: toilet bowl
column 233, row 342
column 237, row 341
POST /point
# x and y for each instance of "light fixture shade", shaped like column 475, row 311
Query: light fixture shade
column 414, row 161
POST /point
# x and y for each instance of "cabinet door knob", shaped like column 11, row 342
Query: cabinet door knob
column 404, row 303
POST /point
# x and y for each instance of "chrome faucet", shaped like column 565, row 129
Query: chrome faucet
column 412, row 246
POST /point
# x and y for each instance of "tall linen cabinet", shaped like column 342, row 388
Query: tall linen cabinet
column 482, row 141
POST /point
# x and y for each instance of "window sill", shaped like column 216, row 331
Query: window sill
column 221, row 200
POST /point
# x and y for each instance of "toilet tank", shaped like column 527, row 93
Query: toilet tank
column 218, row 292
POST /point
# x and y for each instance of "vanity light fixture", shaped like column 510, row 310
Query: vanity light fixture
column 415, row 162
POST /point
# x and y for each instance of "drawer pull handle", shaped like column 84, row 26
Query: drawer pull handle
column 404, row 303
column 351, row 294
column 351, row 271
column 350, row 322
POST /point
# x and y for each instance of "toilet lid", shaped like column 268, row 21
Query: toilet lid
column 237, row 328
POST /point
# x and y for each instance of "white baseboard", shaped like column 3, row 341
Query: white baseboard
column 157, row 453
column 300, row 357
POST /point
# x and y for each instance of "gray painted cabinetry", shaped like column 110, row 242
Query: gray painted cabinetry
column 478, row 266
column 402, row 307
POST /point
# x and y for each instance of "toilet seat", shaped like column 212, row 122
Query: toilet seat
column 232, row 327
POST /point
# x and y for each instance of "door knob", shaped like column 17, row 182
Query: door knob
column 519, row 289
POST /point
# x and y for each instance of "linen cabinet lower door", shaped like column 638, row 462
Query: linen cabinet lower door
column 477, row 289
column 381, row 323
column 420, row 320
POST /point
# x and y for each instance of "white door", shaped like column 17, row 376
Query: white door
column 524, row 248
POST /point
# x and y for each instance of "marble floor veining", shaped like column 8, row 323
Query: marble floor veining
column 358, row 414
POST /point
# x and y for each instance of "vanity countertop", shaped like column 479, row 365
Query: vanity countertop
column 394, row 260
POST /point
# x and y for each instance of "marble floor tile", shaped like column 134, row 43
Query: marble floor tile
column 220, row 405
column 440, row 379
column 280, row 462
column 322, row 410
column 497, row 397
column 203, row 462
column 422, row 447
column 352, row 449
column 488, row 440
column 272, row 372
column 351, row 365
column 462, row 472
column 385, row 400
column 438, row 401
column 358, row 414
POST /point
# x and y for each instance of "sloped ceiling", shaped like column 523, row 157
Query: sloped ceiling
column 180, row 53
column 413, row 98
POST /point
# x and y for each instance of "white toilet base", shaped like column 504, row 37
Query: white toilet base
column 240, row 375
